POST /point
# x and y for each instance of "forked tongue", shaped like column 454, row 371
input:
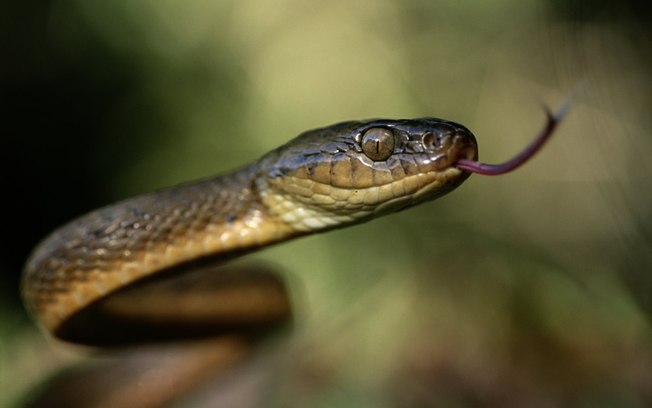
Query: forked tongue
column 525, row 155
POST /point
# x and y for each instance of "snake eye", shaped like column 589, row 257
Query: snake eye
column 378, row 143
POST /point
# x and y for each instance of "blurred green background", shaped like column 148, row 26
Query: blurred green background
column 531, row 289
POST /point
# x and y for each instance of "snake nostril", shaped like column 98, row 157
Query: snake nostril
column 429, row 141
column 436, row 140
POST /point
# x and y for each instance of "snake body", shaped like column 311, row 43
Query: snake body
column 323, row 179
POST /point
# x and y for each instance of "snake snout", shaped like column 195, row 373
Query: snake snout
column 464, row 146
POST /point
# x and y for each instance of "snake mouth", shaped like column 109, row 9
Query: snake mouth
column 460, row 145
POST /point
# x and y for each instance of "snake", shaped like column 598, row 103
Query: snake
column 90, row 281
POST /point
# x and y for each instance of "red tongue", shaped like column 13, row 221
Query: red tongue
column 525, row 155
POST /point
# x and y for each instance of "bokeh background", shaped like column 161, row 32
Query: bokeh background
column 530, row 289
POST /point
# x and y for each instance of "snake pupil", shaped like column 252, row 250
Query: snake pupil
column 378, row 143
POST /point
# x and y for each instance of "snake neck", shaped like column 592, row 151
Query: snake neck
column 245, row 215
column 136, row 238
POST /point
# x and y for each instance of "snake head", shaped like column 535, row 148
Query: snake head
column 353, row 171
